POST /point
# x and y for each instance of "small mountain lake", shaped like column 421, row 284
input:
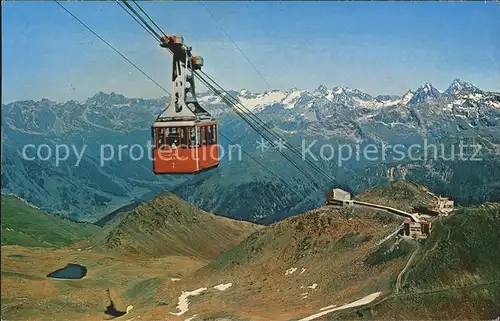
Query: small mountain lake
column 70, row 271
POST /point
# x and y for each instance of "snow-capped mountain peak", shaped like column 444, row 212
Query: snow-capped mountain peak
column 456, row 84
column 244, row 92
column 345, row 95
column 407, row 97
column 343, row 99
column 427, row 91
column 322, row 90
column 337, row 90
column 292, row 98
column 428, row 88
column 459, row 86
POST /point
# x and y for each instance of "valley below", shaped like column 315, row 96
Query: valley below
column 447, row 140
column 168, row 260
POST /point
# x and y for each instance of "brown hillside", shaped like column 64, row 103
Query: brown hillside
column 293, row 269
column 300, row 265
column 170, row 226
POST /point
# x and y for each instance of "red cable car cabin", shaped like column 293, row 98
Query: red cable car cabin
column 184, row 147
column 184, row 135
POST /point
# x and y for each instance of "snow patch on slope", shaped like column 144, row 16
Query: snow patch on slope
column 290, row 271
column 183, row 304
column 367, row 299
column 223, row 287
column 291, row 99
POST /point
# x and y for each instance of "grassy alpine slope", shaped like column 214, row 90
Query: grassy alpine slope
column 286, row 271
column 334, row 256
column 172, row 237
column 297, row 266
column 455, row 275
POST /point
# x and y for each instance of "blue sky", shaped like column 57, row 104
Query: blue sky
column 377, row 47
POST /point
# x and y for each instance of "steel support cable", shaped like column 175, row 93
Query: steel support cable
column 244, row 117
column 137, row 20
column 306, row 175
column 142, row 19
column 318, row 185
column 147, row 16
column 241, row 114
column 362, row 221
column 111, row 46
column 166, row 91
column 275, row 134
column 331, row 177
column 272, row 131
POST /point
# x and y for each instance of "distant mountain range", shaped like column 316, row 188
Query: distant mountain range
column 461, row 107
column 243, row 188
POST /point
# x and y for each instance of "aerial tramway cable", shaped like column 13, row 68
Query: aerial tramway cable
column 273, row 132
column 111, row 46
column 135, row 18
column 233, row 102
column 142, row 19
column 328, row 177
column 296, row 192
column 225, row 96
column 244, row 117
column 292, row 189
column 147, row 16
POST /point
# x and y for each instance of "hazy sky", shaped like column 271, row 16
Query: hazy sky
column 377, row 47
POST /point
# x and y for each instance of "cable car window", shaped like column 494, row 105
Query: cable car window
column 172, row 139
column 209, row 135
column 183, row 135
column 204, row 135
column 198, row 136
column 153, row 136
column 213, row 138
column 161, row 138
column 192, row 137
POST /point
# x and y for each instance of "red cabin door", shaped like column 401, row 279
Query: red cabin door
column 172, row 153
column 208, row 149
